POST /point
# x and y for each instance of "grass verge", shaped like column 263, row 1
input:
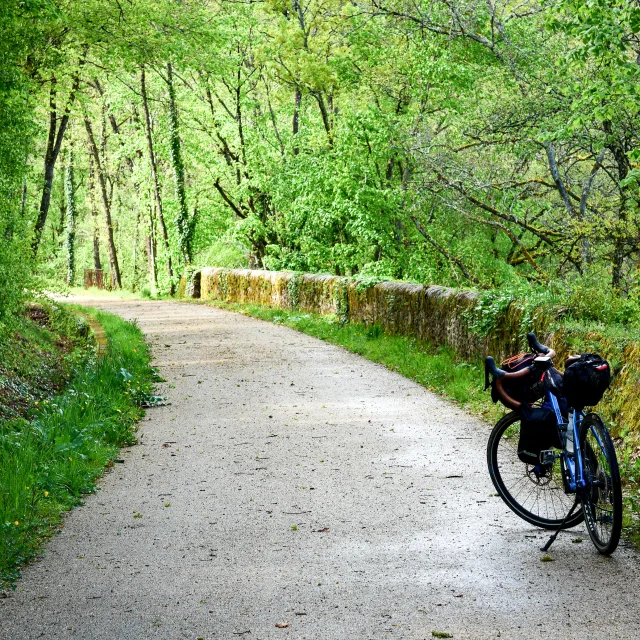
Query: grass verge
column 48, row 461
column 438, row 370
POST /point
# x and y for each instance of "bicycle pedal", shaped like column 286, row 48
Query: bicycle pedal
column 548, row 456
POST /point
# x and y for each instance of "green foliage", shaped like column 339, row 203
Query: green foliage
column 362, row 283
column 50, row 460
column 16, row 134
column 465, row 144
column 583, row 301
column 535, row 307
column 341, row 299
column 293, row 289
column 38, row 356
column 223, row 253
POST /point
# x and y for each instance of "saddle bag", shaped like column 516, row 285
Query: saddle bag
column 586, row 380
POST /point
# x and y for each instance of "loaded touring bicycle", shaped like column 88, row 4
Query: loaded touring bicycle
column 552, row 463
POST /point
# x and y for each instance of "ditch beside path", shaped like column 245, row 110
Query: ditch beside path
column 292, row 483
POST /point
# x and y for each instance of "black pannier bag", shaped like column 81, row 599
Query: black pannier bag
column 538, row 431
column 586, row 380
column 539, row 426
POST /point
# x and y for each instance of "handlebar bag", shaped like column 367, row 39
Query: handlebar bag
column 538, row 431
column 586, row 380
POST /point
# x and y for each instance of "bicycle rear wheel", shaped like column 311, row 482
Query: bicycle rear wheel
column 602, row 499
column 537, row 496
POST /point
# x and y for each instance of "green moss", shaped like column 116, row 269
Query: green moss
column 293, row 289
column 223, row 282
column 341, row 299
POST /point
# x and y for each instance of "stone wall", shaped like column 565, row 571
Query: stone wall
column 430, row 313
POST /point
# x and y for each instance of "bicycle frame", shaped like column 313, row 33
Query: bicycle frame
column 572, row 459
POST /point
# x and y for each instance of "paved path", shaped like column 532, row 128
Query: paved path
column 291, row 482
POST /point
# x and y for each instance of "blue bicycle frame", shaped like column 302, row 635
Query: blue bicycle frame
column 572, row 454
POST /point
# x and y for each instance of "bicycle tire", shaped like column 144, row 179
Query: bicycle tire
column 541, row 501
column 602, row 499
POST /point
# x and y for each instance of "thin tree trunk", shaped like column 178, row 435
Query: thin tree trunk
column 151, row 247
column 182, row 220
column 296, row 118
column 154, row 176
column 111, row 247
column 620, row 239
column 69, row 188
column 54, row 143
column 134, row 284
column 97, row 265
column 23, row 208
column 325, row 116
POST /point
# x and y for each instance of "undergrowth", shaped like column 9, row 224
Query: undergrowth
column 39, row 350
column 49, row 459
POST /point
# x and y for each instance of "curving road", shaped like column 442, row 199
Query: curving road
column 294, row 490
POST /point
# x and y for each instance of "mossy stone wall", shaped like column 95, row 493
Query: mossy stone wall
column 434, row 314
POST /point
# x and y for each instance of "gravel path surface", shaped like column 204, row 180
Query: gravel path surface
column 294, row 490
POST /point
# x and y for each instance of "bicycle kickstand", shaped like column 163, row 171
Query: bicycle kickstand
column 552, row 539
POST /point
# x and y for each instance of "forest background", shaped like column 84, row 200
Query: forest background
column 480, row 144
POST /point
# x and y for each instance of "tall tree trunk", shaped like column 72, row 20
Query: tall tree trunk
column 69, row 188
column 325, row 116
column 620, row 238
column 111, row 247
column 151, row 247
column 154, row 178
column 296, row 118
column 54, row 142
column 23, row 207
column 134, row 280
column 94, row 215
column 182, row 220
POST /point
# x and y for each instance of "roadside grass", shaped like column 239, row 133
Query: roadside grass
column 438, row 370
column 39, row 350
column 49, row 459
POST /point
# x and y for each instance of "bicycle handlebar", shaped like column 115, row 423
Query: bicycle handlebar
column 500, row 375
column 490, row 365
column 536, row 346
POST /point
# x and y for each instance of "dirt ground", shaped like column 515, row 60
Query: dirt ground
column 294, row 490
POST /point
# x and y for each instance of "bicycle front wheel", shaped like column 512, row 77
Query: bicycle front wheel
column 602, row 498
column 536, row 495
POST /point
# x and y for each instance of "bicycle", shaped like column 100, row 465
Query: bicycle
column 584, row 470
